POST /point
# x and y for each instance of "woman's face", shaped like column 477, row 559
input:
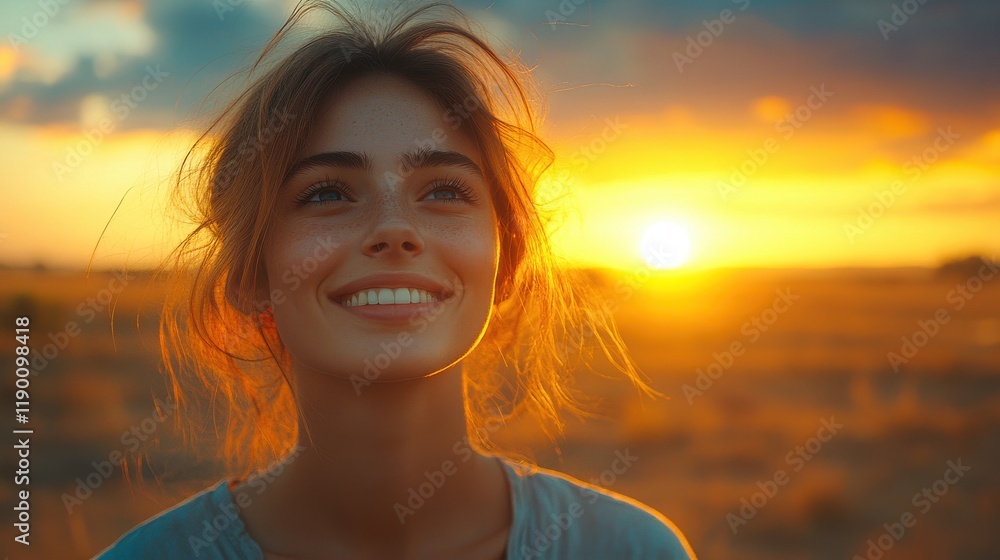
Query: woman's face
column 378, row 191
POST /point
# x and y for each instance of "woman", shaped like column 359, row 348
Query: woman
column 372, row 282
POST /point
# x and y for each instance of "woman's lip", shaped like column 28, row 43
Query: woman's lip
column 395, row 312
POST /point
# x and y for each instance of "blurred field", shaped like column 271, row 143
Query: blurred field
column 698, row 455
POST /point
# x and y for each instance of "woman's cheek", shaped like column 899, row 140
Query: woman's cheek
column 304, row 257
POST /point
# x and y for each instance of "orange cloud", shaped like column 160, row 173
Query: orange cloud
column 891, row 121
column 771, row 108
column 8, row 63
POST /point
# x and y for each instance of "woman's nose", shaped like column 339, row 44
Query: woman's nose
column 394, row 232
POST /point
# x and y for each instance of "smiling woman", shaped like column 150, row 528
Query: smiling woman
column 433, row 230
column 374, row 292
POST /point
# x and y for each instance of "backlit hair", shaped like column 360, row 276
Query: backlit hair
column 547, row 318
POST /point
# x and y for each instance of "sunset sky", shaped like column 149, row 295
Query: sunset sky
column 773, row 133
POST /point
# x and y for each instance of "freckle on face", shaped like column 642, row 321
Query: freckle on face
column 454, row 243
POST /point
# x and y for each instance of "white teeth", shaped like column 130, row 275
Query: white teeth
column 385, row 296
column 402, row 295
column 388, row 296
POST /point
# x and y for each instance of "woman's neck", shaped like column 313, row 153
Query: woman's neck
column 386, row 468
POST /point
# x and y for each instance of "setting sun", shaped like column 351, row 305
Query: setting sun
column 665, row 245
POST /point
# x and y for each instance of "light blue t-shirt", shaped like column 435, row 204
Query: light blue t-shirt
column 556, row 517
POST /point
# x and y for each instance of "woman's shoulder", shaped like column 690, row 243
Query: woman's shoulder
column 564, row 517
column 204, row 526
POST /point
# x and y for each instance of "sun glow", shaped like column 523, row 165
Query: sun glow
column 665, row 245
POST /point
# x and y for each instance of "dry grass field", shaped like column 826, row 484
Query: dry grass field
column 799, row 422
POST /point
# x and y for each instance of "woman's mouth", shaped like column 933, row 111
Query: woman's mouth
column 389, row 296
column 392, row 304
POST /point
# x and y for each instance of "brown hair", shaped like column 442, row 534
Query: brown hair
column 228, row 182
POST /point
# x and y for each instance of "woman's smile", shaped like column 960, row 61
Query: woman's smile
column 394, row 311
column 389, row 296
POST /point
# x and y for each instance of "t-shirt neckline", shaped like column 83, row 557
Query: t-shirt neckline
column 223, row 499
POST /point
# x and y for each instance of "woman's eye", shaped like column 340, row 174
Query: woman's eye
column 322, row 193
column 450, row 191
column 456, row 192
column 325, row 195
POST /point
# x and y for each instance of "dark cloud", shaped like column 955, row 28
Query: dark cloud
column 193, row 46
column 941, row 60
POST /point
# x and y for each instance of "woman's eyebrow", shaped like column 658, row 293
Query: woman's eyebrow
column 437, row 158
column 407, row 162
column 349, row 160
